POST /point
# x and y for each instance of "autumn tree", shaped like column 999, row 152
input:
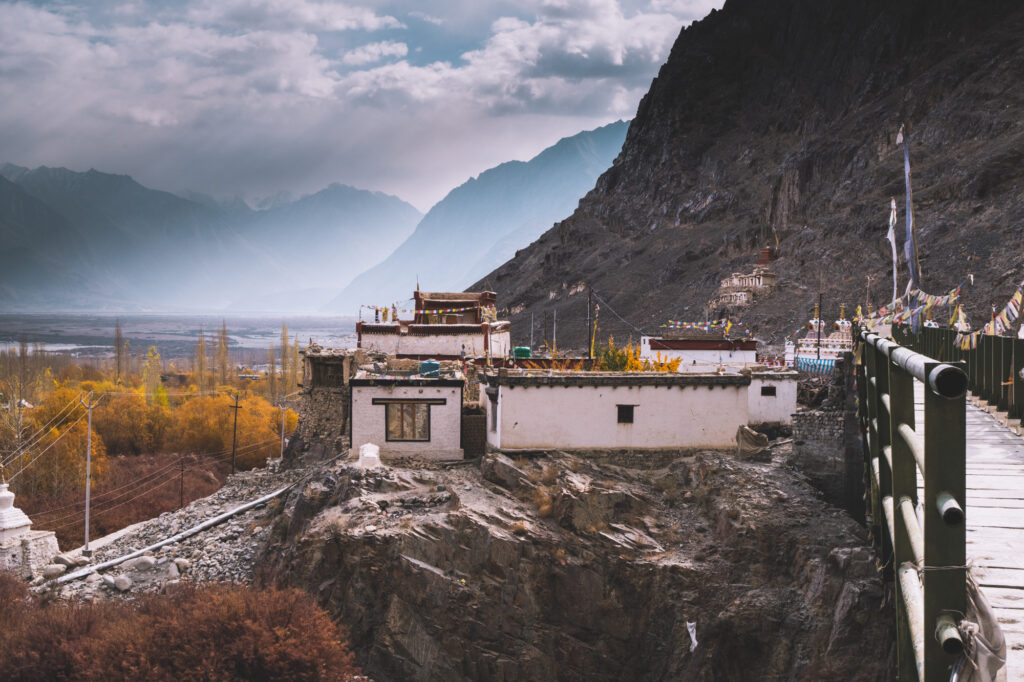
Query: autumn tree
column 272, row 374
column 222, row 354
column 119, row 367
column 55, row 462
column 130, row 426
column 296, row 369
column 151, row 377
column 285, row 362
column 201, row 361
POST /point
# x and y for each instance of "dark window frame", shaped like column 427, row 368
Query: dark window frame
column 426, row 402
column 626, row 414
column 768, row 392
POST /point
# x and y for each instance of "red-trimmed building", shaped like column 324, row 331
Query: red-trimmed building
column 700, row 351
column 445, row 326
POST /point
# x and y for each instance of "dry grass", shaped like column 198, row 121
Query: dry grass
column 135, row 489
column 543, row 499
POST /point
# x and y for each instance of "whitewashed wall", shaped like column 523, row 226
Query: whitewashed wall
column 586, row 417
column 777, row 409
column 700, row 360
column 437, row 345
column 368, row 421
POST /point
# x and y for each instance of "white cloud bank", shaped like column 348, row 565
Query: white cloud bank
column 251, row 97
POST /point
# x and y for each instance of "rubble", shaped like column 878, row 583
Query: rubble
column 224, row 553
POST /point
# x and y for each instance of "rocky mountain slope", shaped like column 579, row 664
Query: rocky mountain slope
column 568, row 568
column 783, row 116
column 482, row 223
column 95, row 240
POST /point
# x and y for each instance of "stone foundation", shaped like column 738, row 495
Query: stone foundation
column 27, row 554
column 324, row 428
column 826, row 444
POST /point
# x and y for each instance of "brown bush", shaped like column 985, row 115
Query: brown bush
column 211, row 633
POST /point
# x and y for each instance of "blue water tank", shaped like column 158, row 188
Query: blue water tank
column 430, row 368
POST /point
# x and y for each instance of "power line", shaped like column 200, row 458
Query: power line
column 33, row 440
column 55, row 441
column 632, row 326
column 136, row 485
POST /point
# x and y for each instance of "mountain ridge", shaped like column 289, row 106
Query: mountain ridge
column 782, row 117
column 485, row 219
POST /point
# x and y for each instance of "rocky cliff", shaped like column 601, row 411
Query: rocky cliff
column 567, row 568
column 782, row 116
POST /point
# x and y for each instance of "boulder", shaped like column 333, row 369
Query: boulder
column 123, row 583
column 54, row 570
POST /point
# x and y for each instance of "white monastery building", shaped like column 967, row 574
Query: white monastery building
column 529, row 410
column 446, row 326
column 408, row 416
column 700, row 352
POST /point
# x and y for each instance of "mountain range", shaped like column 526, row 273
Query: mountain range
column 483, row 222
column 783, row 118
column 96, row 241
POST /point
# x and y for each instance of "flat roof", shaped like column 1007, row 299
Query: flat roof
column 506, row 377
column 406, row 381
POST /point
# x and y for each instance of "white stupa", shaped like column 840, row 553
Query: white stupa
column 22, row 550
column 13, row 522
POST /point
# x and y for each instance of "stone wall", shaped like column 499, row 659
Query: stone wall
column 826, row 443
column 323, row 430
column 27, row 554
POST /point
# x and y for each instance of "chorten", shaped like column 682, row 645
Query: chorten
column 13, row 522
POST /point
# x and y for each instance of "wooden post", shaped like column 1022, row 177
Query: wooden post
column 945, row 537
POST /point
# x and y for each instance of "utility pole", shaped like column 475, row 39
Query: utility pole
column 590, row 329
column 181, row 484
column 234, row 433
column 554, row 330
column 531, row 331
column 88, row 470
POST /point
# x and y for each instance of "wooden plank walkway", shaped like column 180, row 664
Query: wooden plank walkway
column 995, row 520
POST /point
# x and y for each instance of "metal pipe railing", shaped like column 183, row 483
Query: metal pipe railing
column 926, row 554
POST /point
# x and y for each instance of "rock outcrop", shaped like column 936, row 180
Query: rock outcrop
column 563, row 568
column 782, row 117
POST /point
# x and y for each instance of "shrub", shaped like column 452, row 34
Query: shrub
column 209, row 633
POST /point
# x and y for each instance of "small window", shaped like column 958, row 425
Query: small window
column 408, row 421
column 768, row 391
column 626, row 414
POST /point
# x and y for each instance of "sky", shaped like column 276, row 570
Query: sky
column 250, row 98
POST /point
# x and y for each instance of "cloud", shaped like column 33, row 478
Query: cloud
column 256, row 97
column 423, row 16
column 574, row 55
column 290, row 14
column 374, row 52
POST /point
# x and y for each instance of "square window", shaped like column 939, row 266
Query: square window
column 626, row 414
column 408, row 421
column 768, row 391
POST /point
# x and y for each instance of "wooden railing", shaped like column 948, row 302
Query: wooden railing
column 993, row 368
column 922, row 543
